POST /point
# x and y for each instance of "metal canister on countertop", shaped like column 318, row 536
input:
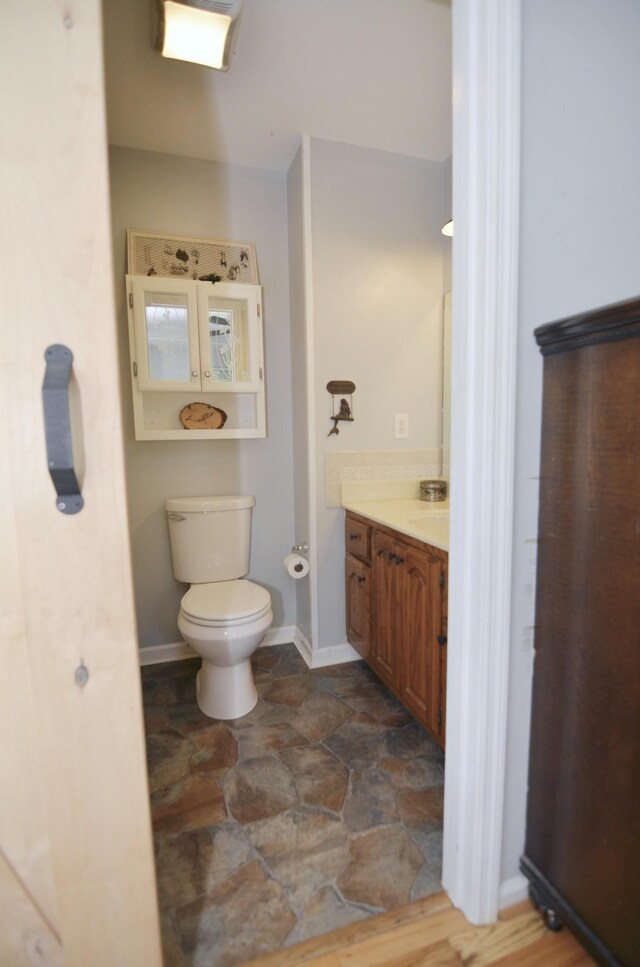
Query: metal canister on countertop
column 433, row 490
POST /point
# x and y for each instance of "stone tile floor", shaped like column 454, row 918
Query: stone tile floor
column 321, row 807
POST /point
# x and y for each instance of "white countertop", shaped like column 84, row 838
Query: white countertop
column 424, row 520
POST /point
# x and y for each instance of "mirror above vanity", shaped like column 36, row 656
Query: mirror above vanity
column 446, row 385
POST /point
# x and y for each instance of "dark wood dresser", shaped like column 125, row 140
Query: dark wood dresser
column 582, row 851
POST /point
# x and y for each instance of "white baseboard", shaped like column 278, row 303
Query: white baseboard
column 173, row 651
column 279, row 636
column 513, row 891
column 334, row 655
column 321, row 657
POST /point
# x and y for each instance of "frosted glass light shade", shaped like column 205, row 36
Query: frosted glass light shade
column 200, row 33
column 447, row 228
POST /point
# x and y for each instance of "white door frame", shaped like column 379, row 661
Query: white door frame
column 486, row 183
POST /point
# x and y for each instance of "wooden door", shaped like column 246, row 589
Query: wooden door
column 358, row 584
column 386, row 611
column 77, row 883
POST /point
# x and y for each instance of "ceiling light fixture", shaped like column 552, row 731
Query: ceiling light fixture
column 447, row 228
column 198, row 31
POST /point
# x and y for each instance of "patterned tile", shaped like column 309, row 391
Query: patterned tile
column 259, row 788
column 325, row 911
column 290, row 691
column 190, row 864
column 422, row 772
column 216, row 750
column 291, row 663
column 303, row 848
column 374, row 699
column 359, row 741
column 320, row 715
column 168, row 759
column 243, row 917
column 371, row 801
column 320, row 778
column 262, row 739
column 189, row 804
column 410, row 741
column 171, row 946
column 188, row 718
column 320, row 807
column 383, row 864
column 422, row 806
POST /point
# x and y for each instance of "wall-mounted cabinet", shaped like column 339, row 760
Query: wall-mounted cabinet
column 194, row 342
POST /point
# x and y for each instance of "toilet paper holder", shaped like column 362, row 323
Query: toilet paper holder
column 300, row 549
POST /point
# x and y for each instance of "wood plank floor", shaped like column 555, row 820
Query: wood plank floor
column 431, row 932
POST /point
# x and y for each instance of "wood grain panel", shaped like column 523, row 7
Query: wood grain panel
column 70, row 601
column 583, row 822
column 420, row 601
column 358, row 584
column 430, row 933
column 385, row 656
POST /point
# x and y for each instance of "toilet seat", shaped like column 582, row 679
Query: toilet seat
column 225, row 603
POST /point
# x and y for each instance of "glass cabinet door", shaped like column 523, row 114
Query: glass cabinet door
column 230, row 338
column 165, row 317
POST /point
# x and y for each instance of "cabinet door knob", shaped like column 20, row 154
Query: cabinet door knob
column 353, row 537
column 207, row 374
column 360, row 579
column 442, row 639
column 194, row 372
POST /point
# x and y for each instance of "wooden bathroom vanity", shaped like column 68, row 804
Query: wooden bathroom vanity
column 396, row 589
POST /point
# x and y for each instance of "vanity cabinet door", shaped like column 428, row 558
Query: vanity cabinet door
column 396, row 616
column 387, row 613
column 358, row 582
column 165, row 333
column 420, row 579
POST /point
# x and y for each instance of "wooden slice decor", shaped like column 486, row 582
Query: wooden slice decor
column 202, row 416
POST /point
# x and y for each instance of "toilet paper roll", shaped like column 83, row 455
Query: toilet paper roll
column 296, row 566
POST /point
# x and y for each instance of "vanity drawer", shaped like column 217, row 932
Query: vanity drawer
column 357, row 538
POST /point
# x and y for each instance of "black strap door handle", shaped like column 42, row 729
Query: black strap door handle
column 57, row 429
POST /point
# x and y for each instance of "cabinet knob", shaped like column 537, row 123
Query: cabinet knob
column 360, row 579
column 194, row 372
column 207, row 373
column 353, row 537
column 442, row 639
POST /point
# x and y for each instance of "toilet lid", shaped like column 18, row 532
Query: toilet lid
column 225, row 601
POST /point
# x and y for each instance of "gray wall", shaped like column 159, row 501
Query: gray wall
column 164, row 193
column 377, row 301
column 580, row 249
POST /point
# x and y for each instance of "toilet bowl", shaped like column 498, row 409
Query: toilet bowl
column 223, row 617
column 225, row 623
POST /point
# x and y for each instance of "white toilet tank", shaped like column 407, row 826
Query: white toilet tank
column 210, row 537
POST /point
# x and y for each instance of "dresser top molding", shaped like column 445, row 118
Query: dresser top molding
column 620, row 320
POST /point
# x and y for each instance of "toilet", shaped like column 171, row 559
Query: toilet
column 222, row 617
